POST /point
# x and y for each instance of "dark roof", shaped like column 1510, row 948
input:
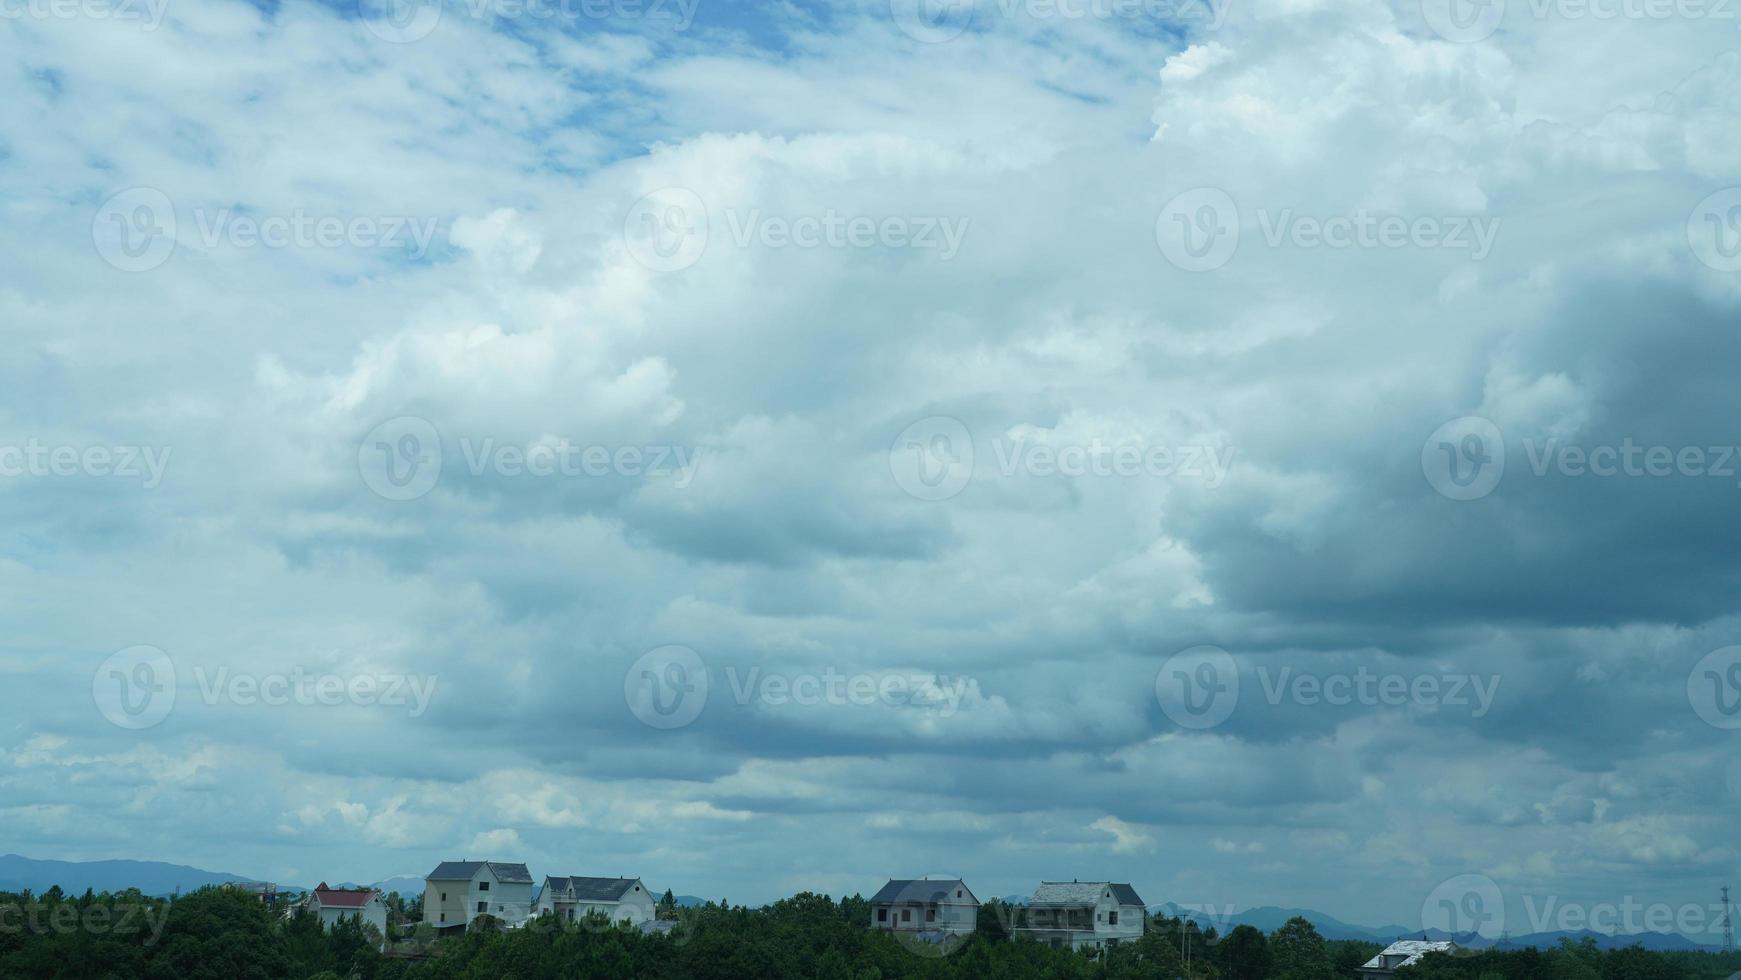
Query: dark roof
column 941, row 890
column 591, row 889
column 342, row 898
column 1082, row 893
column 1125, row 895
column 465, row 870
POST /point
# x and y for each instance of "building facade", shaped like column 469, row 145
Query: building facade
column 333, row 904
column 457, row 892
column 1084, row 914
column 574, row 898
column 925, row 905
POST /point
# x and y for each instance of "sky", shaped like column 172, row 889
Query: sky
column 1275, row 452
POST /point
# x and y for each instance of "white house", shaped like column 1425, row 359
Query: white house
column 1084, row 914
column 457, row 892
column 945, row 906
column 617, row 899
column 333, row 904
column 1404, row 952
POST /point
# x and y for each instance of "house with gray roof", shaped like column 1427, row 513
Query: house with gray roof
column 457, row 892
column 1084, row 914
column 574, row 898
column 1403, row 952
column 941, row 907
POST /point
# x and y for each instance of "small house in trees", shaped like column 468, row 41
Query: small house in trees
column 1084, row 914
column 945, row 906
column 333, row 904
column 617, row 899
column 457, row 892
column 1405, row 952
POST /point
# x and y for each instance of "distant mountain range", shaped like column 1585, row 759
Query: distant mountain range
column 18, row 873
column 151, row 877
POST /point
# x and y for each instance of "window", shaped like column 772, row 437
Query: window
column 483, row 886
column 483, row 907
column 930, row 915
column 882, row 915
column 1112, row 918
column 906, row 915
column 444, row 896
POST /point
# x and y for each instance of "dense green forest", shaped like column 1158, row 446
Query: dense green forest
column 218, row 934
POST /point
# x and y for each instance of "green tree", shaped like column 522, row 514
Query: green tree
column 1299, row 952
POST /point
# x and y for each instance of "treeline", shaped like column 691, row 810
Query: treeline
column 218, row 934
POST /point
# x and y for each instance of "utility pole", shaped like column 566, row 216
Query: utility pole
column 1728, row 926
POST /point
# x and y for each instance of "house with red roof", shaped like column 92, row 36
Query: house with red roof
column 333, row 904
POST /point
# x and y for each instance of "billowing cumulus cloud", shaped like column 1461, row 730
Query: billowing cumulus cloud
column 908, row 397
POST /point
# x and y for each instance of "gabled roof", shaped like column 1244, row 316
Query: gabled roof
column 591, row 889
column 1411, row 949
column 940, row 890
column 466, row 870
column 1082, row 893
column 341, row 898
